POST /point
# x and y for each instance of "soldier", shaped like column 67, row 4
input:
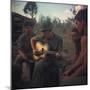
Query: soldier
column 79, row 68
column 46, row 72
column 24, row 57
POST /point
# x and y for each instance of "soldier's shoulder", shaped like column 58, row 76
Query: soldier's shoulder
column 58, row 37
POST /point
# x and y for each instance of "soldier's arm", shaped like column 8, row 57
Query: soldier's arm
column 60, row 45
column 21, row 47
column 80, row 60
column 22, row 54
column 33, row 43
column 60, row 48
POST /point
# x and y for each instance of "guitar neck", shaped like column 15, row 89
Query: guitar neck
column 50, row 52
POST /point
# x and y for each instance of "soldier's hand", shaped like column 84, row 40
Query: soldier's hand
column 58, row 54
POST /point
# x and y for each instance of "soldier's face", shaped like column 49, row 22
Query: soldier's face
column 79, row 25
column 75, row 36
column 47, row 34
column 28, row 29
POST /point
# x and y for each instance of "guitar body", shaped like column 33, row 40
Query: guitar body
column 41, row 47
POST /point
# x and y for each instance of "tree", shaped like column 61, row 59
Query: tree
column 47, row 23
column 31, row 9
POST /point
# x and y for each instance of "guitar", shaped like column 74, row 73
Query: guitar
column 42, row 51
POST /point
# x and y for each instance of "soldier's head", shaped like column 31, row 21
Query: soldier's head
column 46, row 29
column 47, row 33
column 81, row 20
column 28, row 26
column 75, row 35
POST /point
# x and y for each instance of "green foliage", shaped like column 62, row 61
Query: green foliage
column 58, row 27
column 45, row 22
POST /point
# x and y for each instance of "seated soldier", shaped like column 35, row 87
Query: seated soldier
column 24, row 58
column 46, row 72
column 79, row 67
